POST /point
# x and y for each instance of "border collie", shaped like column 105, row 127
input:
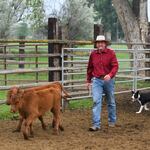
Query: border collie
column 142, row 98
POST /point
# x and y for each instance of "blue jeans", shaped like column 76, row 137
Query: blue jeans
column 98, row 88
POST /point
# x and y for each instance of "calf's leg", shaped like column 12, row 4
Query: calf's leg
column 26, row 126
column 57, row 121
column 42, row 122
column 31, row 131
column 19, row 125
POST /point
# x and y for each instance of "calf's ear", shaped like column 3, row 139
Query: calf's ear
column 20, row 92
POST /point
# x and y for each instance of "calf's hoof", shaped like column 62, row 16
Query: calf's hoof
column 44, row 127
column 61, row 128
column 17, row 130
column 31, row 136
column 55, row 132
column 25, row 137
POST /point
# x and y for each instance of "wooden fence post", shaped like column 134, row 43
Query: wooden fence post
column 54, row 33
column 98, row 30
column 147, row 55
column 21, row 51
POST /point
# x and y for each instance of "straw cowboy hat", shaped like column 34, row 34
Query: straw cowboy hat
column 101, row 38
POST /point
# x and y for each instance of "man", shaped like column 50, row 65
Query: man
column 101, row 70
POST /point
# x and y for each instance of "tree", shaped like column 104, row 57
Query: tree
column 134, row 22
column 20, row 30
column 78, row 19
column 35, row 13
column 108, row 17
column 13, row 11
column 10, row 13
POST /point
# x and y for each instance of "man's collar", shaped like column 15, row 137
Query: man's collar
column 101, row 51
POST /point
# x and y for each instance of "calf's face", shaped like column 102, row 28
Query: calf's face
column 11, row 95
column 14, row 107
column 13, row 98
column 15, row 103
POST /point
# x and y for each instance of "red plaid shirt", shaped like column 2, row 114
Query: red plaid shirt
column 102, row 63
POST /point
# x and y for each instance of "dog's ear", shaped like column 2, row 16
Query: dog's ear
column 137, row 92
column 132, row 92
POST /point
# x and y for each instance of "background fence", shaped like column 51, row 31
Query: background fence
column 31, row 68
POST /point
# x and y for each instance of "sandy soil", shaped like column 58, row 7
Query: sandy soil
column 131, row 133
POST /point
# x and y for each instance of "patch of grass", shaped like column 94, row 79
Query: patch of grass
column 5, row 113
column 144, row 84
column 83, row 103
column 122, row 46
column 3, row 94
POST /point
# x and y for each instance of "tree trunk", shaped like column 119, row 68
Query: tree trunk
column 131, row 27
column 127, row 20
column 136, row 7
column 143, row 20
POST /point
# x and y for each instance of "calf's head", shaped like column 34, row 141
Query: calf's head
column 14, row 98
column 11, row 95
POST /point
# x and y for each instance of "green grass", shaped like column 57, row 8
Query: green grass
column 122, row 46
column 83, row 103
column 5, row 113
column 144, row 84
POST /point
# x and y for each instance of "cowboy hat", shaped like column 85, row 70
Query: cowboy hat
column 101, row 38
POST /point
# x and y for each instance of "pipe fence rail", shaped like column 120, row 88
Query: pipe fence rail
column 129, row 77
column 30, row 67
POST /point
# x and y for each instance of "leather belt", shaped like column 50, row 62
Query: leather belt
column 101, row 77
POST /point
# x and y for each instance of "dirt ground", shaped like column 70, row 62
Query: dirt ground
column 131, row 133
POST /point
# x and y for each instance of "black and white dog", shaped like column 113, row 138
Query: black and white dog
column 142, row 98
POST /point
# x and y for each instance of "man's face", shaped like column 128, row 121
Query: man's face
column 101, row 45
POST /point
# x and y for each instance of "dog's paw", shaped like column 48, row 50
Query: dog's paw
column 138, row 112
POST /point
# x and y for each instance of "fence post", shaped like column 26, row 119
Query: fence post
column 5, row 64
column 147, row 55
column 98, row 29
column 147, row 65
column 21, row 51
column 54, row 33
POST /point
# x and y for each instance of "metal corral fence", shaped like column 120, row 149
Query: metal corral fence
column 31, row 68
column 129, row 77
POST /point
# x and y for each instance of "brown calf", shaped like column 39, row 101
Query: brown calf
column 57, row 85
column 12, row 94
column 34, row 104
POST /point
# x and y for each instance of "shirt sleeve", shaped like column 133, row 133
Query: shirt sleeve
column 114, row 64
column 89, row 69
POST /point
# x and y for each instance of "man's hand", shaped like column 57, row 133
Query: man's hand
column 107, row 77
column 88, row 86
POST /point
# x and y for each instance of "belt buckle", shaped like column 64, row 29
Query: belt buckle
column 102, row 77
